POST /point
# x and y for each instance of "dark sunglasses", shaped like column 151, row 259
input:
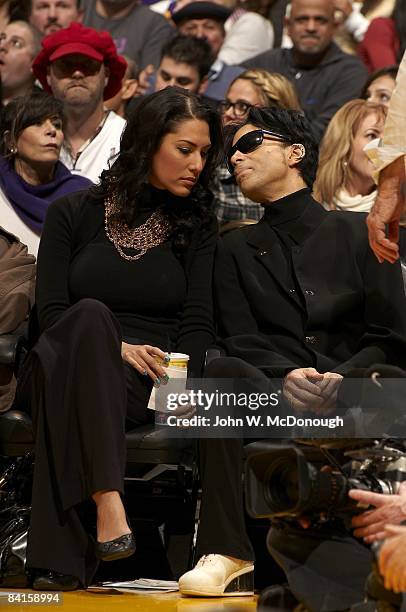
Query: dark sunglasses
column 67, row 65
column 251, row 141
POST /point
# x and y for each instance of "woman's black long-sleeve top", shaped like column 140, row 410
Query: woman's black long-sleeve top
column 161, row 299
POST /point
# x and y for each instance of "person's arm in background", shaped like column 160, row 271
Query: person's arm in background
column 389, row 160
column 378, row 47
column 353, row 20
column 17, row 282
column 383, row 220
column 250, row 35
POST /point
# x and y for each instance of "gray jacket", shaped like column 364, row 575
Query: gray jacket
column 322, row 89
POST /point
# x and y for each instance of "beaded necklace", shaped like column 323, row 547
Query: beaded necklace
column 150, row 234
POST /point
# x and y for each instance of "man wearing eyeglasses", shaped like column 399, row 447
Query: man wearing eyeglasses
column 301, row 298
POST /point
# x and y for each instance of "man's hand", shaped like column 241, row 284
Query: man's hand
column 392, row 558
column 142, row 357
column 301, row 390
column 329, row 386
column 143, row 79
column 370, row 525
column 307, row 389
column 386, row 212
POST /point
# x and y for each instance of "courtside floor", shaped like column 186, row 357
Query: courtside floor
column 82, row 601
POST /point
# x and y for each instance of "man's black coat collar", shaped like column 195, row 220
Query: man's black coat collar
column 298, row 214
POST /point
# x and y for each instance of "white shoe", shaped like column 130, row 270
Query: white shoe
column 218, row 576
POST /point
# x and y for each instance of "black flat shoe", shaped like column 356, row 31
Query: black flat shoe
column 54, row 581
column 121, row 547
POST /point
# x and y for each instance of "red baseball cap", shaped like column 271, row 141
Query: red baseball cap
column 83, row 41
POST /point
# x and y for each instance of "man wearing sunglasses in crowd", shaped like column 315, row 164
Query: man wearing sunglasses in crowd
column 302, row 298
column 81, row 68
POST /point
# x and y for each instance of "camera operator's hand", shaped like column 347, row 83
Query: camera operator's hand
column 370, row 525
column 392, row 558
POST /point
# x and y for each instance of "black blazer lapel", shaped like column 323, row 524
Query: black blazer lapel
column 270, row 255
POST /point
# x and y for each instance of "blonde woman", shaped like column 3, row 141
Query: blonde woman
column 257, row 88
column 344, row 178
column 251, row 88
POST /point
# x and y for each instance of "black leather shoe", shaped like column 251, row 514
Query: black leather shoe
column 54, row 581
column 121, row 547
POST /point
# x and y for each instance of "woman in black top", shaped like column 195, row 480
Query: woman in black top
column 124, row 275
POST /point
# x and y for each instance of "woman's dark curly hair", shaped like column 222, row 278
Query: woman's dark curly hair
column 153, row 118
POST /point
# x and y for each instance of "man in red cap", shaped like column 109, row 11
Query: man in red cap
column 80, row 67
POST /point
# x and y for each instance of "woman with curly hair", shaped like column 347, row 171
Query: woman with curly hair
column 344, row 178
column 124, row 276
column 251, row 88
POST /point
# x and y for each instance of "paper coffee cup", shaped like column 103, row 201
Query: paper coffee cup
column 176, row 369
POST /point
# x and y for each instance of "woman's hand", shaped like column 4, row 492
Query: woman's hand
column 142, row 357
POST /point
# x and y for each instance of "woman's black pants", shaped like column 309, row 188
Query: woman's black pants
column 82, row 397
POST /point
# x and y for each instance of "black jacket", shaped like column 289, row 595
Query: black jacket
column 73, row 222
column 352, row 311
column 323, row 89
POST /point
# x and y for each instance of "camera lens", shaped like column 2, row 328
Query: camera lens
column 282, row 490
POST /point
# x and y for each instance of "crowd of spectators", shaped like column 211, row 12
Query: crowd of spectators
column 74, row 75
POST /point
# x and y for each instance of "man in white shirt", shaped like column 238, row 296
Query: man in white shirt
column 80, row 67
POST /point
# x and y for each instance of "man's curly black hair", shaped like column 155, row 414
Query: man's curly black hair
column 294, row 125
column 154, row 117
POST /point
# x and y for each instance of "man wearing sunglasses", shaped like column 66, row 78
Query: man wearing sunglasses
column 300, row 297
column 81, row 68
